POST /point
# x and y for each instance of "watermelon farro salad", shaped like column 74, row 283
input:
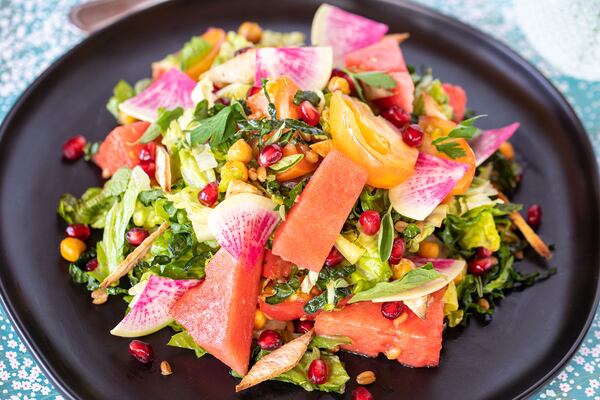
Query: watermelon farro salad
column 272, row 203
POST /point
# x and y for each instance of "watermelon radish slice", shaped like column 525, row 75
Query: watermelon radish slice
column 431, row 182
column 309, row 67
column 173, row 89
column 242, row 224
column 487, row 142
column 447, row 267
column 150, row 308
column 343, row 31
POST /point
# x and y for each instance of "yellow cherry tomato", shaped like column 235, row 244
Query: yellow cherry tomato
column 370, row 141
column 71, row 249
column 259, row 320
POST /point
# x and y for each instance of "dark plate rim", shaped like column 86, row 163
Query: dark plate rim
column 503, row 49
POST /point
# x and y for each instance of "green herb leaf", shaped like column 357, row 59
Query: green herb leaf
column 385, row 238
column 147, row 197
column 184, row 340
column 286, row 163
column 121, row 92
column 379, row 80
column 218, row 128
column 193, row 51
column 411, row 231
column 306, row 95
column 201, row 110
column 451, row 149
column 117, row 185
column 412, row 279
column 90, row 149
column 329, row 342
column 465, row 129
column 161, row 124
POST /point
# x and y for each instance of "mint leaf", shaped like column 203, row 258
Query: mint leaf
column 412, row 279
column 193, row 51
column 379, row 80
column 161, row 124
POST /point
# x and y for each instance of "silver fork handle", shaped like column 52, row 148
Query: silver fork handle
column 95, row 14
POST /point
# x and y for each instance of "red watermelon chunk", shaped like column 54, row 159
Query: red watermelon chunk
column 275, row 267
column 120, row 150
column 219, row 314
column 288, row 310
column 457, row 98
column 314, row 222
column 419, row 341
column 384, row 55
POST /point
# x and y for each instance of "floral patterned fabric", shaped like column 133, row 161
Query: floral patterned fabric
column 33, row 33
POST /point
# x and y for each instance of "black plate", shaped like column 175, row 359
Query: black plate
column 534, row 332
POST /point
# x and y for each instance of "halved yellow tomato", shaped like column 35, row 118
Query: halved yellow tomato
column 370, row 141
column 434, row 128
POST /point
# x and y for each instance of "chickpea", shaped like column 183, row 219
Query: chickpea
column 507, row 150
column 337, row 83
column 259, row 320
column 240, row 151
column 429, row 249
column 71, row 249
column 232, row 170
column 402, row 268
column 251, row 31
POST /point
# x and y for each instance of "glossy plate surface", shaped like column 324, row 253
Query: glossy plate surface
column 533, row 331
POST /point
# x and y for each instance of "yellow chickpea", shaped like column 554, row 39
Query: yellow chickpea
column 240, row 151
column 429, row 249
column 259, row 320
column 400, row 269
column 338, row 83
column 71, row 249
column 251, row 31
column 507, row 150
column 232, row 170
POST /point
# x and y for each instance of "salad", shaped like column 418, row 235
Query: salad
column 272, row 203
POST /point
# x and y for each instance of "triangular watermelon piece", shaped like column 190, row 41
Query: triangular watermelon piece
column 219, row 314
column 384, row 55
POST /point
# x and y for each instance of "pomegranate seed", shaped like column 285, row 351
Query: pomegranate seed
column 309, row 113
column 253, row 90
column 334, row 258
column 361, row 393
column 135, row 236
column 534, row 216
column 209, row 195
column 342, row 74
column 269, row 340
column 270, row 155
column 397, row 116
column 303, row 326
column 73, row 148
column 370, row 221
column 318, row 372
column 91, row 264
column 141, row 351
column 145, row 154
column 78, row 231
column 392, row 309
column 149, row 168
column 480, row 266
column 222, row 100
column 412, row 135
column 397, row 251
column 483, row 252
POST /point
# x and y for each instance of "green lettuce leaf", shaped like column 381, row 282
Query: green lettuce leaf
column 369, row 268
column 185, row 341
column 329, row 342
column 476, row 228
column 121, row 92
column 196, row 166
column 187, row 199
column 193, row 51
column 233, row 43
column 90, row 209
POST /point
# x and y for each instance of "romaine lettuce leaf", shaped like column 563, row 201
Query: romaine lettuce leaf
column 121, row 92
column 185, row 341
column 187, row 199
column 476, row 228
column 369, row 268
column 90, row 209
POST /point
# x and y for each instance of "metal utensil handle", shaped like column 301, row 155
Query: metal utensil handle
column 96, row 14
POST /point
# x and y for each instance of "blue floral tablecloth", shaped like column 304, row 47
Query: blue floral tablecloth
column 33, row 33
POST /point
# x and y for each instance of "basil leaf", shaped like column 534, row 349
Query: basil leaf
column 286, row 162
column 385, row 238
column 379, row 80
column 161, row 124
column 412, row 279
column 306, row 95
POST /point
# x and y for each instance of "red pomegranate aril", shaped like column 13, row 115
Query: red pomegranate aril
column 209, row 195
column 270, row 155
column 342, row 74
column 392, row 309
column 397, row 251
column 318, row 372
column 397, row 116
column 269, row 340
column 141, row 351
column 145, row 154
column 534, row 216
column 483, row 252
column 253, row 90
column 333, row 258
column 73, row 148
column 79, row 231
column 149, row 168
column 91, row 264
column 480, row 266
column 223, row 100
column 361, row 393
column 370, row 221
column 309, row 113
column 303, row 326
column 412, row 135
column 135, row 236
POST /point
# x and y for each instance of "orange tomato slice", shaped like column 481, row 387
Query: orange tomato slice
column 281, row 91
column 215, row 37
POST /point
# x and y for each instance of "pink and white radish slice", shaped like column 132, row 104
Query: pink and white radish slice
column 431, row 182
column 173, row 89
column 150, row 309
column 344, row 31
column 242, row 224
column 448, row 268
column 309, row 67
column 487, row 142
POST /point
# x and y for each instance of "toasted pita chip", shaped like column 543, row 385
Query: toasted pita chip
column 400, row 37
column 163, row 168
column 532, row 238
column 236, row 187
column 418, row 305
column 134, row 257
column 277, row 362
